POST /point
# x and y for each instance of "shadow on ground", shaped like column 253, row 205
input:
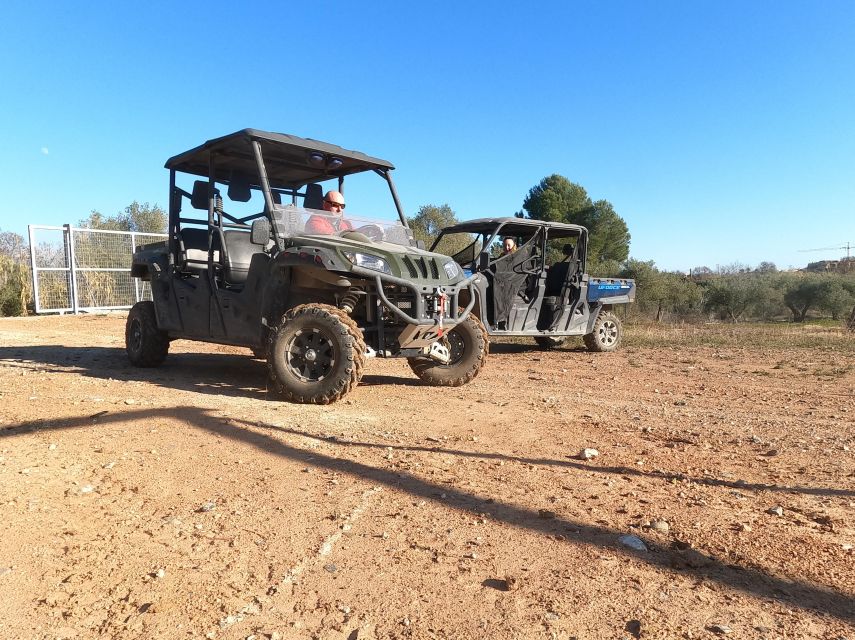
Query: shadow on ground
column 221, row 374
column 686, row 561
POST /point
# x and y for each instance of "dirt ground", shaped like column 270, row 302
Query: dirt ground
column 183, row 502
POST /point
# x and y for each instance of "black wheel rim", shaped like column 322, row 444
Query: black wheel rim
column 456, row 347
column 608, row 333
column 136, row 336
column 310, row 355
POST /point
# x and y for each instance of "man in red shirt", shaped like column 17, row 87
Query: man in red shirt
column 334, row 221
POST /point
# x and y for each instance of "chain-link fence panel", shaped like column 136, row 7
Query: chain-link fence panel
column 50, row 268
column 86, row 269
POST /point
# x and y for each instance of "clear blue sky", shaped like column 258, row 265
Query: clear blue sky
column 721, row 131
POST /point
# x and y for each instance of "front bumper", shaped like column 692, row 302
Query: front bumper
column 435, row 306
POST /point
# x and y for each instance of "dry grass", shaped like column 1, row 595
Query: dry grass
column 742, row 335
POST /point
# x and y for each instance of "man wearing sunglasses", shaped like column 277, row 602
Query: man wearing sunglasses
column 333, row 221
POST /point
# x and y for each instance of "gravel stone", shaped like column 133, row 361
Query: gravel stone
column 720, row 629
column 660, row 526
column 633, row 542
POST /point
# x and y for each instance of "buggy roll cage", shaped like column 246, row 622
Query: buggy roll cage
column 492, row 228
column 284, row 166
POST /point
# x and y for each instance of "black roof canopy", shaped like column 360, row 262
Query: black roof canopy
column 517, row 226
column 286, row 159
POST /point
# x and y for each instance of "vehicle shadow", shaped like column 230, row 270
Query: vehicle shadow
column 669, row 559
column 518, row 347
column 372, row 380
column 221, row 374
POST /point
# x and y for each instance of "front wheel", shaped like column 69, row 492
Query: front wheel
column 468, row 346
column 607, row 333
column 315, row 354
column 146, row 345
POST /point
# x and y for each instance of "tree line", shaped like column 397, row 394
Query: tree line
column 732, row 293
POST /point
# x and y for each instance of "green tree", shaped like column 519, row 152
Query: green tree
column 767, row 302
column 801, row 293
column 13, row 245
column 138, row 217
column 731, row 295
column 659, row 293
column 649, row 283
column 14, row 274
column 556, row 199
column 836, row 298
column 430, row 220
column 683, row 296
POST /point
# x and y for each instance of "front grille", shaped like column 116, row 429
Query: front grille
column 410, row 267
column 421, row 267
column 434, row 269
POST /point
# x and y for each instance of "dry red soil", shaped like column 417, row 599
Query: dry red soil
column 184, row 502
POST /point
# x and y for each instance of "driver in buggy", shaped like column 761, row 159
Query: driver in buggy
column 332, row 223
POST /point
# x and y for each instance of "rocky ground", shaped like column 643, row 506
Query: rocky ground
column 183, row 502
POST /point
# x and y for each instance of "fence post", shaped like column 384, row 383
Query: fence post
column 71, row 260
column 36, row 305
column 135, row 280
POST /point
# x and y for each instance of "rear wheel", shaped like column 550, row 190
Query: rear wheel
column 549, row 342
column 468, row 346
column 146, row 345
column 607, row 333
column 315, row 354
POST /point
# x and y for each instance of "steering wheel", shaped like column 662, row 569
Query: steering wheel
column 373, row 231
column 536, row 266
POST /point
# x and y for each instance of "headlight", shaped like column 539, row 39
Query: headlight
column 451, row 270
column 368, row 261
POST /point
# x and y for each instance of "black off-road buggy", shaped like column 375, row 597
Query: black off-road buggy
column 315, row 306
column 541, row 289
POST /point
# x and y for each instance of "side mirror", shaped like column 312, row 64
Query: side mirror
column 483, row 260
column 260, row 233
column 420, row 244
column 199, row 197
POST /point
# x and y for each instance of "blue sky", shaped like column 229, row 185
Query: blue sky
column 720, row 131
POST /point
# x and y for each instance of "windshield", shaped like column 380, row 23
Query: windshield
column 463, row 247
column 240, row 204
column 292, row 220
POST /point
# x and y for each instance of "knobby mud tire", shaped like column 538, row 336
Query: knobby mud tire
column 607, row 333
column 474, row 346
column 296, row 377
column 146, row 345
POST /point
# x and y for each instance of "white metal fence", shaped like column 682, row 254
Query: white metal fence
column 76, row 269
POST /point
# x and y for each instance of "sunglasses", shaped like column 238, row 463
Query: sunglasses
column 340, row 205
